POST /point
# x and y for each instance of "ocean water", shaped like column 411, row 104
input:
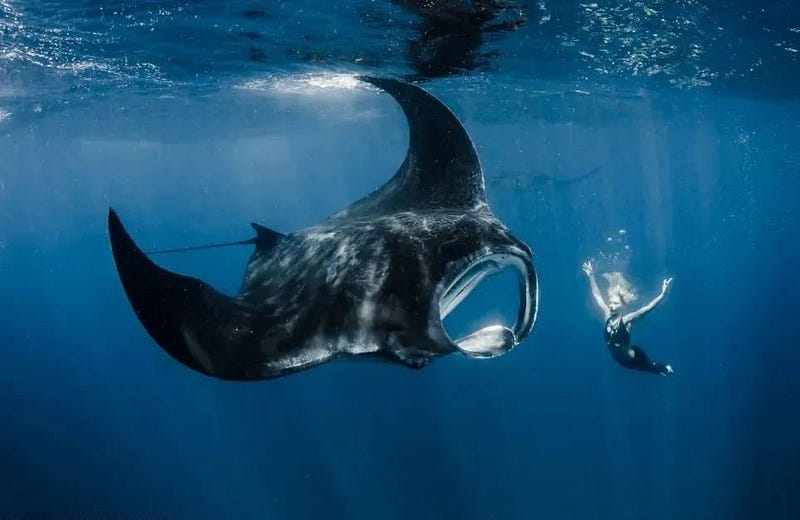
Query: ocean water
column 658, row 138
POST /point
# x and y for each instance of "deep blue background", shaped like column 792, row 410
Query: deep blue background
column 98, row 421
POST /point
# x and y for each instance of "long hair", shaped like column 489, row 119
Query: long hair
column 620, row 287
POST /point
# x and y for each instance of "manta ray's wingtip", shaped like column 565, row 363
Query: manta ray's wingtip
column 381, row 82
column 112, row 216
column 121, row 241
column 367, row 78
column 115, row 227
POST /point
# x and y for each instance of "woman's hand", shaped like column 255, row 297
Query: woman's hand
column 665, row 285
column 588, row 269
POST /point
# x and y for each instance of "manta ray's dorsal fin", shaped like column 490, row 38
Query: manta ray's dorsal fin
column 266, row 238
column 441, row 168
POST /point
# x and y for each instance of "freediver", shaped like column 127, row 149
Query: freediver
column 617, row 331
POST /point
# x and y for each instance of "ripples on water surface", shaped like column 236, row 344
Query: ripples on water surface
column 69, row 48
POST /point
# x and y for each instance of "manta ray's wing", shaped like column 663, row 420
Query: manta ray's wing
column 441, row 169
column 183, row 314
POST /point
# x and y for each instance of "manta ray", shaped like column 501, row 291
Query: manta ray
column 374, row 280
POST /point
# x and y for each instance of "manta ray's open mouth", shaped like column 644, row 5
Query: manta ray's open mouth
column 493, row 340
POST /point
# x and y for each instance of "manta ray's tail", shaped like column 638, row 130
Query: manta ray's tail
column 265, row 238
column 186, row 249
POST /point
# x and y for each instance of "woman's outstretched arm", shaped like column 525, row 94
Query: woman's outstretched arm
column 650, row 306
column 598, row 298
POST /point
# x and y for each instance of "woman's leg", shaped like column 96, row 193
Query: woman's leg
column 640, row 361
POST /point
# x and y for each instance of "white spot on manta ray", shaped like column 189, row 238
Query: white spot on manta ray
column 317, row 351
column 319, row 234
column 366, row 312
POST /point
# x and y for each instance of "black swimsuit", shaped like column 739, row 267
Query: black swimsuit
column 618, row 340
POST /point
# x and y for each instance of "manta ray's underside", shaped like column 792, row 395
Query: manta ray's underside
column 375, row 279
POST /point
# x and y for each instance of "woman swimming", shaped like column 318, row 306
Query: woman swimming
column 618, row 326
